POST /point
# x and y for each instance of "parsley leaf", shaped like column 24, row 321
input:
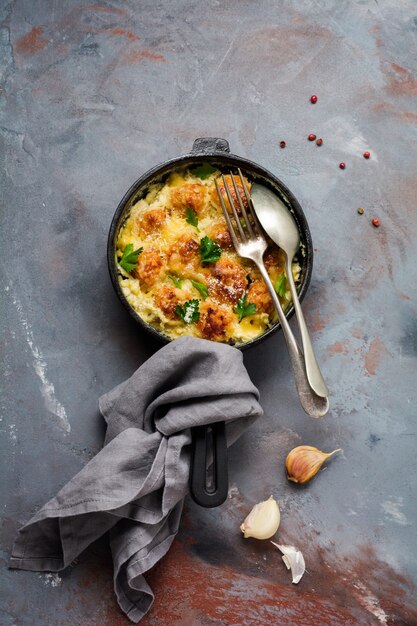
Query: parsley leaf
column 203, row 171
column 191, row 218
column 280, row 285
column 244, row 308
column 177, row 281
column 130, row 257
column 189, row 312
column 210, row 251
column 201, row 288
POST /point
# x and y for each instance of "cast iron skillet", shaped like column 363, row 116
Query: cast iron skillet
column 210, row 492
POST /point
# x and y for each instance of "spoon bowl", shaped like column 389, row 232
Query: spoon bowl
column 276, row 219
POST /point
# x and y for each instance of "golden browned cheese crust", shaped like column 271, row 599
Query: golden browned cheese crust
column 228, row 281
column 189, row 195
column 149, row 267
column 167, row 299
column 213, row 322
column 183, row 255
column 170, row 226
column 221, row 235
column 151, row 221
column 258, row 294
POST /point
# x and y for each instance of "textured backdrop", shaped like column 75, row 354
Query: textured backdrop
column 94, row 94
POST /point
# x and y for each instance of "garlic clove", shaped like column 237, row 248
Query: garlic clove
column 293, row 560
column 303, row 463
column 263, row 520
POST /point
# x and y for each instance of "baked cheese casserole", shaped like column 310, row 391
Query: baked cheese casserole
column 178, row 268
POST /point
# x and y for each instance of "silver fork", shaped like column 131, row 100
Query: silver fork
column 250, row 243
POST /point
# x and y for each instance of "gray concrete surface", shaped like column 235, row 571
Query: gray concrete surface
column 92, row 95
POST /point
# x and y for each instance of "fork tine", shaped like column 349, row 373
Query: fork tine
column 242, row 207
column 232, row 205
column 251, row 209
column 227, row 217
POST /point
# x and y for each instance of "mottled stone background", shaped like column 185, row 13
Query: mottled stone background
column 94, row 94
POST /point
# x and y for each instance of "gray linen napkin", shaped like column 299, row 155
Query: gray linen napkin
column 135, row 486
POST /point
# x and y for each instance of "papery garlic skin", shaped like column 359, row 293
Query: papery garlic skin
column 303, row 463
column 263, row 520
column 294, row 560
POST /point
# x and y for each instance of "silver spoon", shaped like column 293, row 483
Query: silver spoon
column 280, row 225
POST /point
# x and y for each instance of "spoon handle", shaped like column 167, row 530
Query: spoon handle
column 313, row 405
column 313, row 372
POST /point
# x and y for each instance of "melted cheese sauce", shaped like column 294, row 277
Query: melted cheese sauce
column 171, row 253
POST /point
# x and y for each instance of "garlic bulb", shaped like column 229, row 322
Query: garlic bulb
column 303, row 463
column 263, row 521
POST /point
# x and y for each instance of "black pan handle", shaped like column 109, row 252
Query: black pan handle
column 209, row 487
column 210, row 145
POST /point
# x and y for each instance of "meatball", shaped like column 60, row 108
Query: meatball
column 167, row 298
column 213, row 322
column 184, row 253
column 229, row 183
column 228, row 281
column 189, row 195
column 220, row 234
column 149, row 268
column 258, row 294
column 151, row 221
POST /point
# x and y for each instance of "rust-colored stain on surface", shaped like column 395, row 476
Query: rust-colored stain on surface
column 358, row 590
column 316, row 319
column 374, row 355
column 253, row 588
column 383, row 593
column 122, row 32
column 284, row 44
column 406, row 116
column 338, row 347
column 402, row 81
column 226, row 596
column 142, row 54
column 32, row 42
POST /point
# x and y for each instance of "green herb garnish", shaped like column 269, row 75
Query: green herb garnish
column 129, row 257
column 189, row 312
column 210, row 251
column 244, row 308
column 191, row 218
column 177, row 281
column 280, row 285
column 202, row 289
column 203, row 171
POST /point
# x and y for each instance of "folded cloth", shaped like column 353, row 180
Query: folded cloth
column 135, row 486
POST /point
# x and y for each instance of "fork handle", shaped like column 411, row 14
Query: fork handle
column 313, row 372
column 313, row 405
